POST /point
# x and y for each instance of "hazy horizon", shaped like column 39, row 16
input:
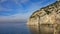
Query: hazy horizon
column 20, row 10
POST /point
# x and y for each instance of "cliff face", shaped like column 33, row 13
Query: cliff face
column 46, row 15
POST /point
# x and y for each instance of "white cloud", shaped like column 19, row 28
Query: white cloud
column 2, row 1
column 16, row 1
column 4, row 9
column 20, row 1
column 19, row 17
column 15, row 17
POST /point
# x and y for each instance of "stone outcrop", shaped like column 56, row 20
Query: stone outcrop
column 46, row 15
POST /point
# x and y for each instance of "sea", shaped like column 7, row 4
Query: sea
column 14, row 28
column 23, row 28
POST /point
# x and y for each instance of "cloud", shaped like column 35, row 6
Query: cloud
column 21, row 6
column 5, row 9
column 16, row 1
column 15, row 18
column 9, row 5
column 2, row 8
column 2, row 1
column 20, row 1
column 21, row 14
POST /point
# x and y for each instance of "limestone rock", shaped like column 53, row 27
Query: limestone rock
column 46, row 15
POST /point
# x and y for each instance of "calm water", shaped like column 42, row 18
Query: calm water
column 22, row 28
column 18, row 28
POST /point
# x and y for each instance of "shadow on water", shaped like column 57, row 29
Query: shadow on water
column 42, row 29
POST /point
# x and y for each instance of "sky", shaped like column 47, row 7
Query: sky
column 20, row 10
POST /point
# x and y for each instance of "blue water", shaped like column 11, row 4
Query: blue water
column 15, row 28
column 22, row 28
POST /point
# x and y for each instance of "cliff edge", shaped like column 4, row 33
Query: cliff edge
column 46, row 15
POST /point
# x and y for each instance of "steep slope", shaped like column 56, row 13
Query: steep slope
column 46, row 15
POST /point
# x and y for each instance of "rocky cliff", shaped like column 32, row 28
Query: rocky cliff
column 46, row 15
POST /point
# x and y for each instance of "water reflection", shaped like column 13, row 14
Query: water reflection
column 42, row 29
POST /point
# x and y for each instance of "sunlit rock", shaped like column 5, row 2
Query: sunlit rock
column 46, row 20
column 46, row 15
